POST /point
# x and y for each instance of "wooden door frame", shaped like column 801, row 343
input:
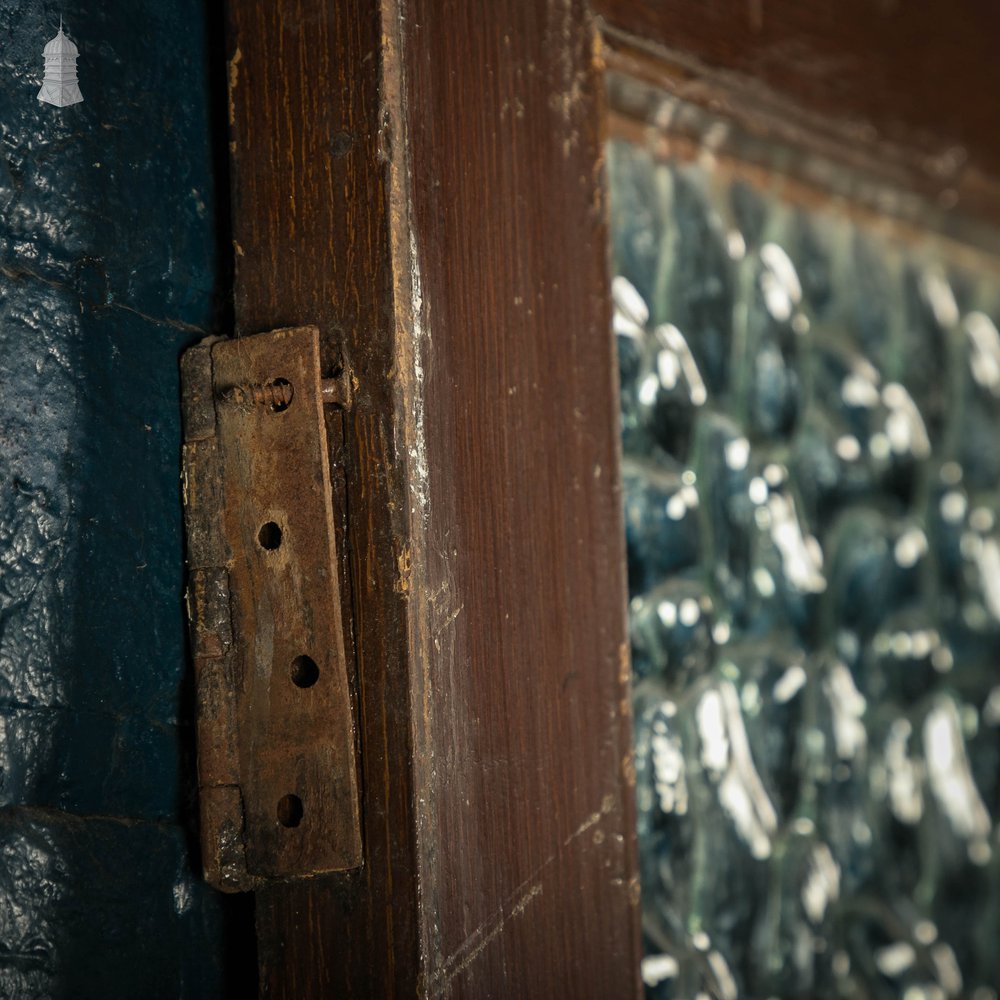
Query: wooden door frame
column 431, row 200
column 423, row 181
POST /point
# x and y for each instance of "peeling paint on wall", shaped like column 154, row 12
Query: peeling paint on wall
column 109, row 267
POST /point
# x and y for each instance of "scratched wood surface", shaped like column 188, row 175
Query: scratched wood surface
column 480, row 473
column 311, row 243
column 521, row 718
column 914, row 82
column 421, row 179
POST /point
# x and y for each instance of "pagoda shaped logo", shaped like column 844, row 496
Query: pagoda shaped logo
column 60, row 87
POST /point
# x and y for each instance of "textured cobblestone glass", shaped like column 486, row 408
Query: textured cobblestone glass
column 811, row 429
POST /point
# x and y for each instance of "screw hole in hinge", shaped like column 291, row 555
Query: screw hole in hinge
column 290, row 811
column 269, row 536
column 305, row 673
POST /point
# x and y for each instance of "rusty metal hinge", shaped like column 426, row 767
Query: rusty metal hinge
column 276, row 740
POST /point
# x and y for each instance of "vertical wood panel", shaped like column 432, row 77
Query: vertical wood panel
column 312, row 246
column 522, row 735
column 484, row 527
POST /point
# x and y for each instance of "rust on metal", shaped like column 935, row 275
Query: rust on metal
column 276, row 737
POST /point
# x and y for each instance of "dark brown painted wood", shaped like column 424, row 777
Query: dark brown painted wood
column 421, row 180
column 481, row 479
column 524, row 814
column 915, row 81
column 312, row 247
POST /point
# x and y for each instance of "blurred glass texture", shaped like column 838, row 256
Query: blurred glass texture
column 810, row 406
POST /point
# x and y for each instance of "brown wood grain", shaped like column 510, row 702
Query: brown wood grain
column 525, row 825
column 917, row 77
column 312, row 247
column 421, row 179
column 481, row 483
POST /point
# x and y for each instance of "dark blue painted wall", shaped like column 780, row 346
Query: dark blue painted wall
column 110, row 264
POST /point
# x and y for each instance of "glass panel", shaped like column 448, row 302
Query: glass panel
column 811, row 431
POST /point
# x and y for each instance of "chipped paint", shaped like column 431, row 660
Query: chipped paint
column 234, row 76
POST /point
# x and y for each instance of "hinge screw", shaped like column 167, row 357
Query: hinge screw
column 276, row 394
column 338, row 391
